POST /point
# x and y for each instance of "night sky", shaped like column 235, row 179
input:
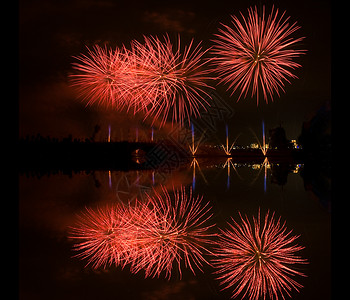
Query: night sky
column 51, row 32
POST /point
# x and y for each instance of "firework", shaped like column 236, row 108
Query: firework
column 256, row 54
column 101, row 77
column 174, row 81
column 102, row 237
column 155, row 235
column 155, row 77
column 173, row 233
column 258, row 259
column 227, row 149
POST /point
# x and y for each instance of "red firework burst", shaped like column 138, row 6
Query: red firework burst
column 101, row 77
column 155, row 77
column 257, row 259
column 174, row 81
column 257, row 53
column 172, row 232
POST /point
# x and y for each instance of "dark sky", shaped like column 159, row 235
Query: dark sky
column 51, row 32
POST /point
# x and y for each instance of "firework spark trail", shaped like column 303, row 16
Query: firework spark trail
column 227, row 149
column 193, row 147
column 257, row 259
column 256, row 54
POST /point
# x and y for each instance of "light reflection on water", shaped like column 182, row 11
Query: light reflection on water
column 48, row 206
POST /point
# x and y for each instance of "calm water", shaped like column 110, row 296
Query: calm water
column 48, row 205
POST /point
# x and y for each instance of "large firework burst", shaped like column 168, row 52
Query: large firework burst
column 156, row 235
column 173, row 233
column 258, row 259
column 166, row 82
column 257, row 53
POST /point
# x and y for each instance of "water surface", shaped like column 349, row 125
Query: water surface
column 48, row 205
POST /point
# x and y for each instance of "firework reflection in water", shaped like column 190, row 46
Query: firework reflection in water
column 175, row 233
column 101, row 236
column 156, row 235
column 258, row 259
